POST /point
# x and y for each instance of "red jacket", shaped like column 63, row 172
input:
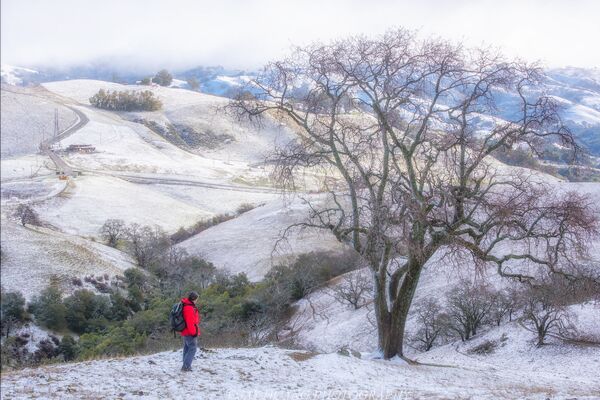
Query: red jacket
column 191, row 317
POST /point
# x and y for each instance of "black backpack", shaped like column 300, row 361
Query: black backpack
column 176, row 317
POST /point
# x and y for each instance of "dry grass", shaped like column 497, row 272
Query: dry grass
column 301, row 356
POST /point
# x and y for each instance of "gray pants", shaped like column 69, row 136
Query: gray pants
column 190, row 344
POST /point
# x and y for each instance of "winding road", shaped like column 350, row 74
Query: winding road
column 46, row 146
column 66, row 169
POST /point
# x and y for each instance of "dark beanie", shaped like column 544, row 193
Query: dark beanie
column 192, row 296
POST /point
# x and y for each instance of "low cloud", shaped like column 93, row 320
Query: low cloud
column 175, row 34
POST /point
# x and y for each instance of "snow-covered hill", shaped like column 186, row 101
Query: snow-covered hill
column 13, row 75
column 246, row 244
column 32, row 257
column 219, row 135
column 138, row 176
column 28, row 118
column 273, row 373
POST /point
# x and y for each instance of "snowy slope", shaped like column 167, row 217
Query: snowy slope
column 272, row 373
column 516, row 347
column 33, row 257
column 245, row 244
column 186, row 109
column 14, row 75
column 27, row 118
column 138, row 176
column 90, row 200
column 324, row 324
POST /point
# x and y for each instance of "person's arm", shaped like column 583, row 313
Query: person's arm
column 188, row 317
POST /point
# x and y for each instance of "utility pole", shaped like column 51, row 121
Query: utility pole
column 56, row 131
column 55, row 123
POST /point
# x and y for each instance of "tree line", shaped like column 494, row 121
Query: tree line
column 126, row 100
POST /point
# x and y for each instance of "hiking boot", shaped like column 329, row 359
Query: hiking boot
column 184, row 369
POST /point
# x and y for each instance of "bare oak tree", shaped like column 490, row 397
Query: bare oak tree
column 112, row 231
column 146, row 244
column 546, row 312
column 397, row 121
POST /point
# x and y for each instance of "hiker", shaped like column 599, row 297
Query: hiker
column 190, row 334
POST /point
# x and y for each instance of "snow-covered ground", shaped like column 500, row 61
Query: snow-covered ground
column 246, row 243
column 25, row 167
column 12, row 74
column 279, row 374
column 90, row 200
column 27, row 118
column 203, row 113
column 323, row 323
column 32, row 257
column 138, row 176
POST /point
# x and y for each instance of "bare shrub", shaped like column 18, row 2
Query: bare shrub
column 487, row 347
column 432, row 324
column 200, row 226
column 354, row 289
column 146, row 243
column 468, row 307
column 244, row 207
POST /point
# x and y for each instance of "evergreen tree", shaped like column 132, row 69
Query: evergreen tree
column 163, row 78
column 49, row 309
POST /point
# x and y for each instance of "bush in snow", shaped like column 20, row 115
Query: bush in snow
column 487, row 347
column 244, row 207
column 46, row 349
column 68, row 348
column 26, row 215
column 87, row 312
column 121, row 340
column 310, row 271
column 200, row 226
column 13, row 353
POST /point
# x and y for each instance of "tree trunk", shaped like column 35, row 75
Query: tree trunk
column 391, row 324
column 391, row 339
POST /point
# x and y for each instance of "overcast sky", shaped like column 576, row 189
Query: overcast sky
column 149, row 34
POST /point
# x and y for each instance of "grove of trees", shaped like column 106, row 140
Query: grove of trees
column 126, row 100
column 163, row 78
